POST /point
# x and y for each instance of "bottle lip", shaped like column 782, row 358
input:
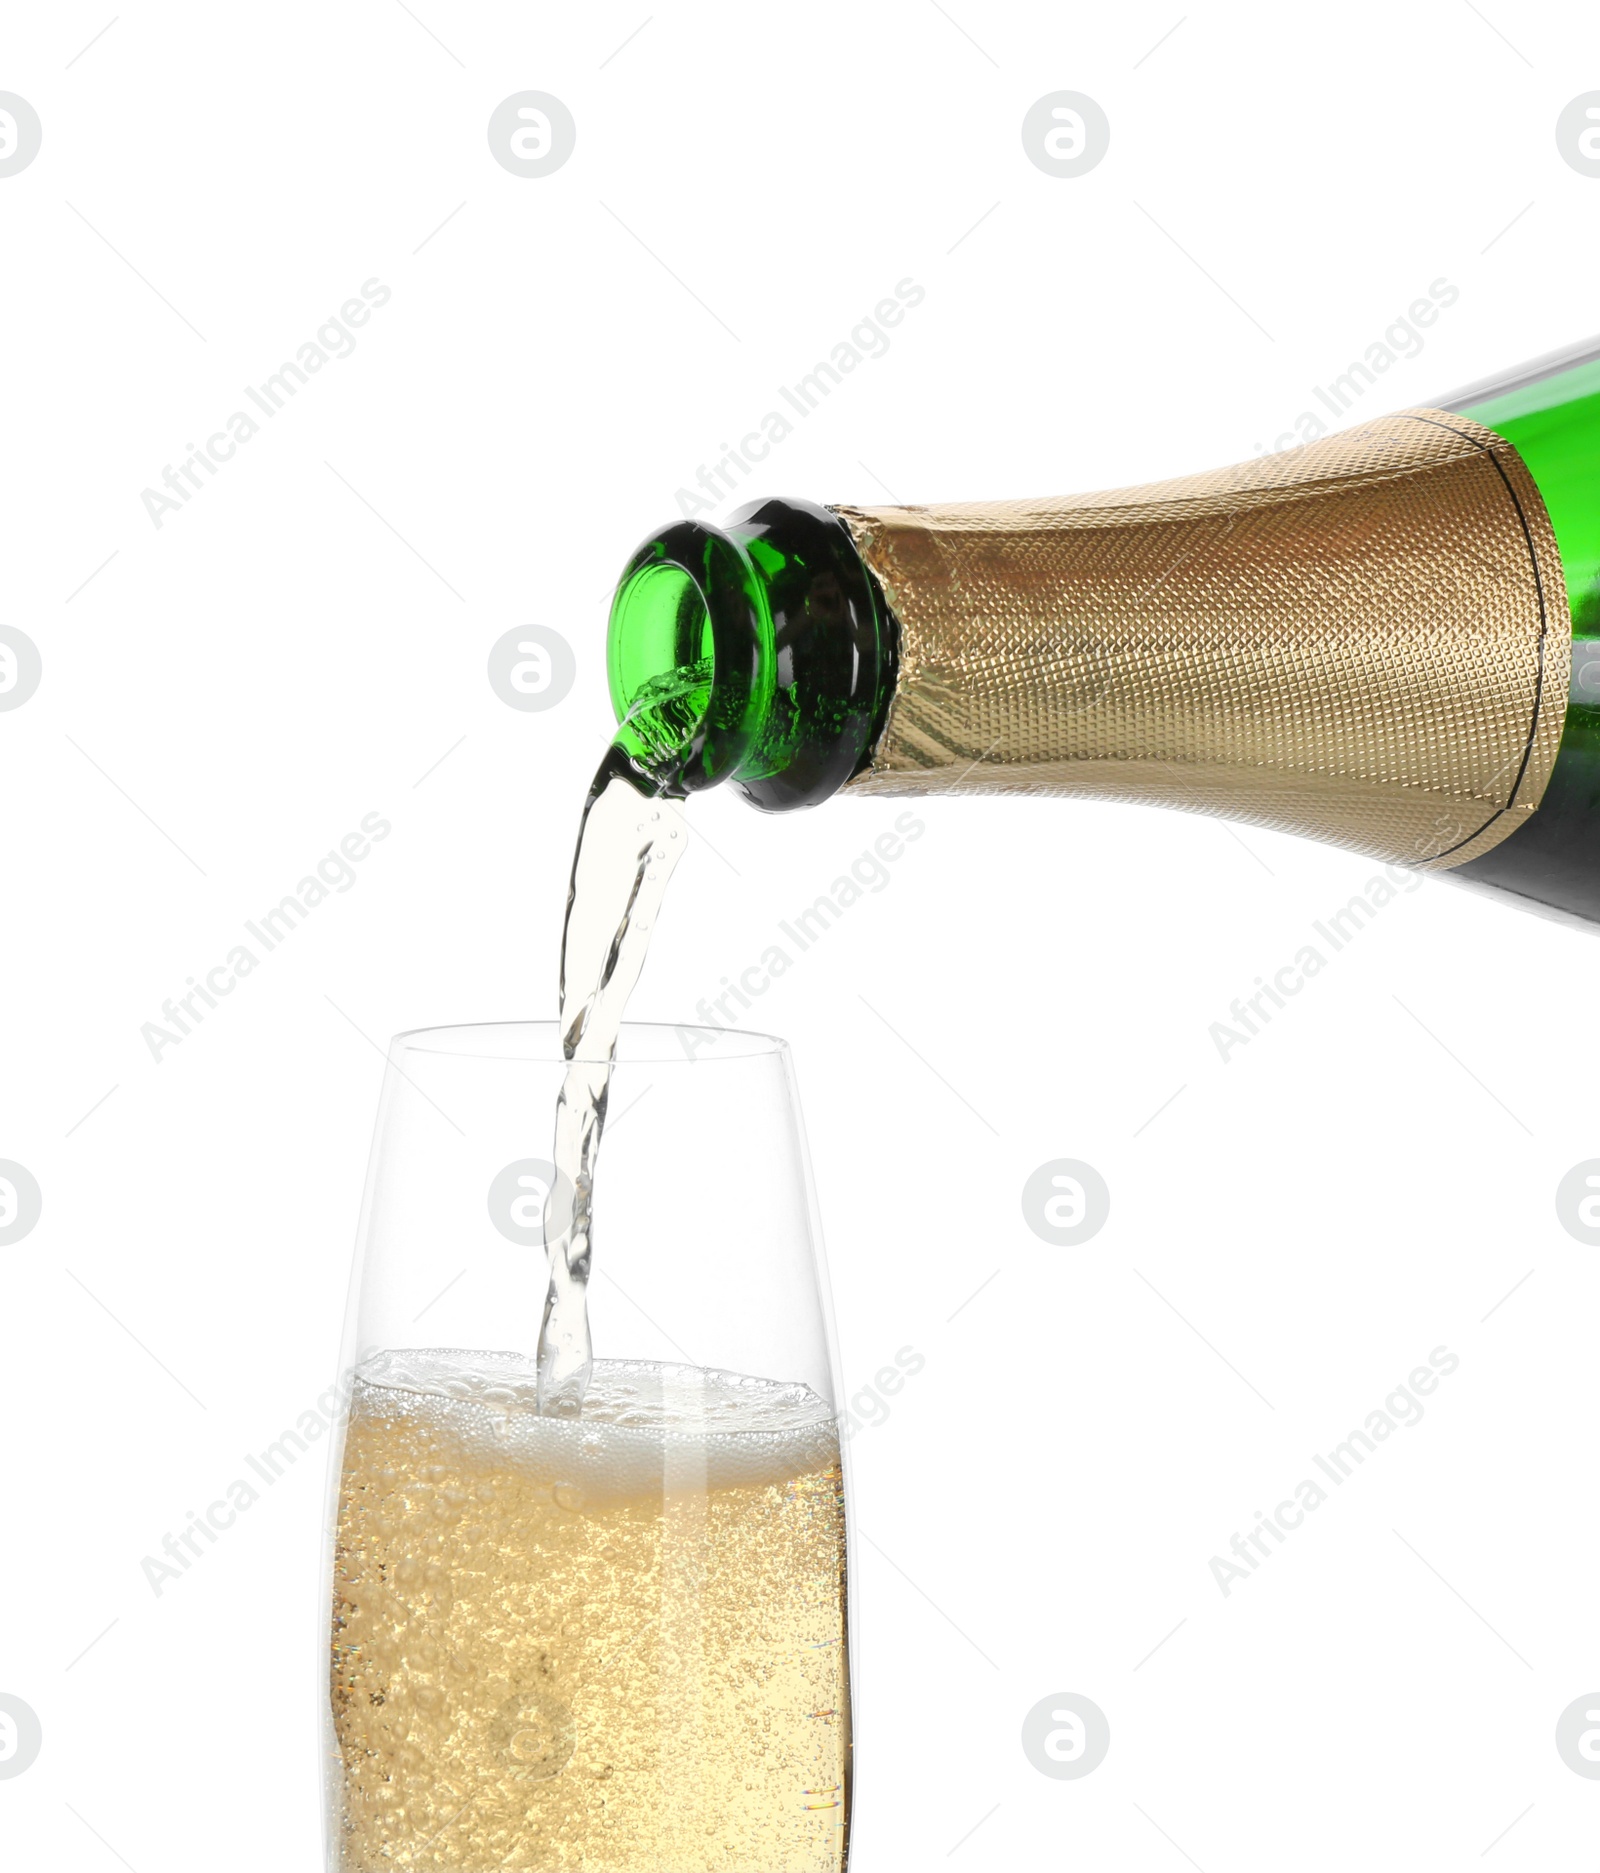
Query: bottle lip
column 711, row 671
column 767, row 661
column 836, row 636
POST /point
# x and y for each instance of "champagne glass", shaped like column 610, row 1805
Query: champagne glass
column 617, row 1641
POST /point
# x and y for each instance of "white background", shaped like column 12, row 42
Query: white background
column 228, row 695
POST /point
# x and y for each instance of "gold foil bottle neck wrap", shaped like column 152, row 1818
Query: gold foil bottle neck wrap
column 1365, row 641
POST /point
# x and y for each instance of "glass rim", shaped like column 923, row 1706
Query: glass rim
column 538, row 1043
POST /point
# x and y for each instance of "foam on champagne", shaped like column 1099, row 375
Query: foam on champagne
column 644, row 1424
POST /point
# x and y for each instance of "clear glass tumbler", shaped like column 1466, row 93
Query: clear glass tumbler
column 619, row 1641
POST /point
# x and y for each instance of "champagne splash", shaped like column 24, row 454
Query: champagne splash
column 629, row 841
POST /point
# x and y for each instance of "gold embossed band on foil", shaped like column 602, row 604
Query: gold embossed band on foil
column 1365, row 641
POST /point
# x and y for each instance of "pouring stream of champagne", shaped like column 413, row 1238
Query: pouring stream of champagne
column 629, row 842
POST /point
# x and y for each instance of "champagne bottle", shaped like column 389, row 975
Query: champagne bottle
column 1387, row 639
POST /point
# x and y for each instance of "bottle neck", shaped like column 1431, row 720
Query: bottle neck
column 1550, row 412
column 760, row 653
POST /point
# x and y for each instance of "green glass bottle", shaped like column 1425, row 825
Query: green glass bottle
column 1550, row 412
column 1366, row 641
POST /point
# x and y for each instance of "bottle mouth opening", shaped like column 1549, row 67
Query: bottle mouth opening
column 688, row 656
column 661, row 658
